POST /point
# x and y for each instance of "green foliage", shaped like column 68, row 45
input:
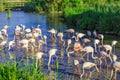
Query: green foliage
column 1, row 7
column 30, row 7
column 102, row 15
column 9, row 13
column 11, row 72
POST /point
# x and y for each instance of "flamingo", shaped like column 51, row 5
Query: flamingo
column 100, row 36
column 85, row 40
column 1, row 36
column 60, row 35
column 53, row 32
column 95, row 33
column 96, row 42
column 104, row 55
column 11, row 44
column 70, row 31
column 38, row 57
column 5, row 27
column 114, row 42
column 78, row 35
column 27, row 30
column 38, row 30
column 18, row 28
column 106, row 47
column 115, row 65
column 88, row 65
column 69, row 41
column 45, row 38
column 76, row 65
column 89, row 49
column 89, row 33
column 51, row 53
column 40, row 43
column 77, row 46
column 32, row 41
column 3, row 43
column 4, row 32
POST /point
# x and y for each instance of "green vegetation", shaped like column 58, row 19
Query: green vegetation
column 12, row 72
column 9, row 13
column 1, row 7
column 102, row 15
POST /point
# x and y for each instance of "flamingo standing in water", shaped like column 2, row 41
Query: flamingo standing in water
column 60, row 35
column 53, row 32
column 96, row 42
column 51, row 53
column 89, row 33
column 76, row 65
column 38, row 57
column 100, row 36
column 114, row 42
column 11, row 44
column 88, row 65
column 78, row 36
column 115, row 65
column 69, row 41
column 106, row 47
column 71, row 31
column 104, row 55
column 89, row 49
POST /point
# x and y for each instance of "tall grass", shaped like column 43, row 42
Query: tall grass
column 10, row 71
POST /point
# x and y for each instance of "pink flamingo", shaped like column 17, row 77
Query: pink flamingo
column 51, row 53
column 88, row 65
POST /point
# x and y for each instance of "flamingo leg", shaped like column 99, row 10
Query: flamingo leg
column 111, row 75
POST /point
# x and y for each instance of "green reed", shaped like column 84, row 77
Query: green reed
column 10, row 71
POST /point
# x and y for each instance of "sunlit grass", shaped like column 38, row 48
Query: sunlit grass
column 12, row 72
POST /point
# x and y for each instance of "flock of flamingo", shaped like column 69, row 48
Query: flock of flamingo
column 89, row 44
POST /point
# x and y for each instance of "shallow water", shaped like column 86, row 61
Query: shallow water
column 66, row 70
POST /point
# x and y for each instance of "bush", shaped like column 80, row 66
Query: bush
column 29, row 7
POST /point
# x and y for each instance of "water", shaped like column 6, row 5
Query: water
column 66, row 69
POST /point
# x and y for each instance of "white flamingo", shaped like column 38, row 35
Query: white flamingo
column 114, row 42
column 53, row 32
column 5, row 27
column 38, row 57
column 106, row 47
column 96, row 42
column 78, row 36
column 69, row 41
column 85, row 40
column 70, row 31
column 89, row 49
column 101, row 36
column 95, row 33
column 60, row 35
column 76, row 65
column 88, row 65
column 45, row 39
column 11, row 44
column 104, row 55
column 51, row 53
column 89, row 33
column 115, row 65
column 3, row 43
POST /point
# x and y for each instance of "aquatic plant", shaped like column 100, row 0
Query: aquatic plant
column 8, row 13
